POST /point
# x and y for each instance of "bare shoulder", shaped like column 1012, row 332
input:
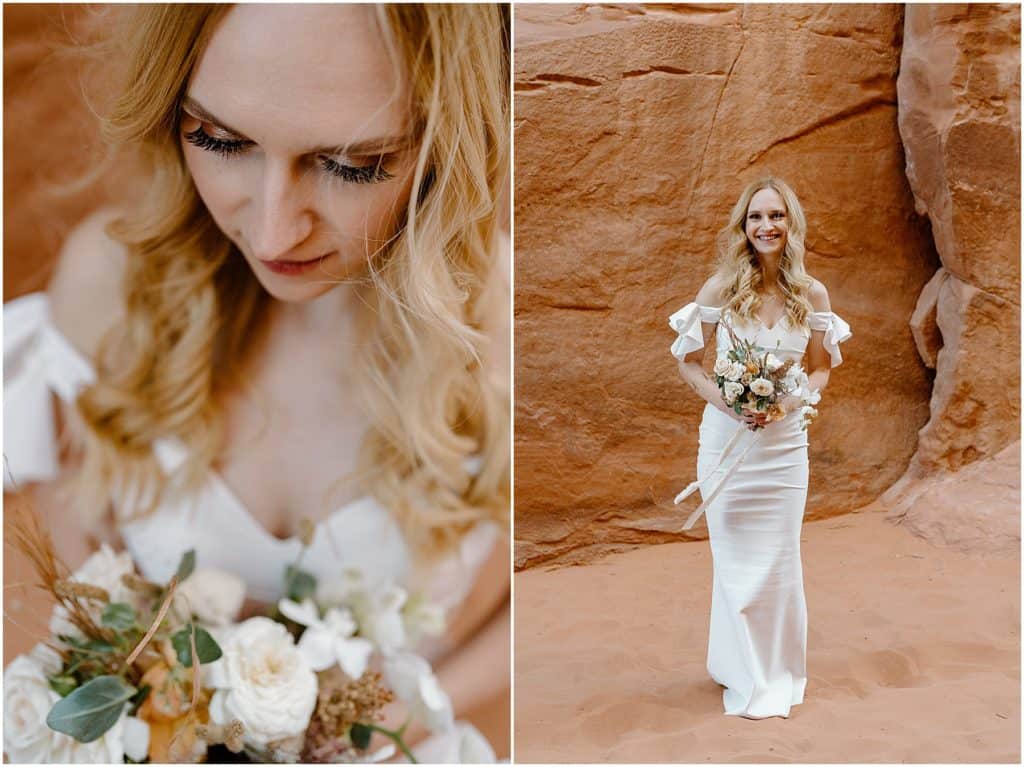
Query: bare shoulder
column 712, row 292
column 818, row 297
column 85, row 289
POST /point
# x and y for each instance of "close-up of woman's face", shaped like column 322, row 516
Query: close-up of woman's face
column 767, row 222
column 297, row 131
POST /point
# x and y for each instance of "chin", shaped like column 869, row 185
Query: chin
column 296, row 292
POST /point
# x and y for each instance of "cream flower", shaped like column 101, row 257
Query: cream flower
column 411, row 679
column 263, row 681
column 421, row 619
column 27, row 702
column 330, row 640
column 214, row 596
column 735, row 371
column 762, row 387
column 104, row 569
column 463, row 745
column 732, row 391
column 772, row 362
column 722, row 366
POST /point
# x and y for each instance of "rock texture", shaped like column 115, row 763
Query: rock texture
column 56, row 169
column 974, row 510
column 636, row 128
column 959, row 118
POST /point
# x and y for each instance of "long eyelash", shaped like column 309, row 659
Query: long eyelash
column 223, row 147
column 365, row 174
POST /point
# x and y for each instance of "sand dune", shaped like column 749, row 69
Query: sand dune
column 913, row 656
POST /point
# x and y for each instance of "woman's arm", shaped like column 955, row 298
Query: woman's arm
column 819, row 364
column 691, row 367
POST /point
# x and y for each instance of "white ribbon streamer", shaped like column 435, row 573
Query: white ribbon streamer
column 709, row 497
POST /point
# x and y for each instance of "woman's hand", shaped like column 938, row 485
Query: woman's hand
column 791, row 402
column 754, row 420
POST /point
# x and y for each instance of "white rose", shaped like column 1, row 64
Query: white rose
column 214, row 596
column 762, row 387
column 104, row 569
column 772, row 362
column 27, row 702
column 722, row 366
column 262, row 681
column 813, row 398
column 411, row 679
column 735, row 371
column 732, row 391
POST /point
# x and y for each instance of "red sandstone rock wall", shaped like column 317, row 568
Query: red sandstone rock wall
column 635, row 129
column 959, row 117
column 51, row 137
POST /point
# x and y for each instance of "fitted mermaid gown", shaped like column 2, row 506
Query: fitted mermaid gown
column 757, row 642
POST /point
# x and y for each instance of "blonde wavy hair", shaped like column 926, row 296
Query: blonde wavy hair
column 436, row 453
column 739, row 268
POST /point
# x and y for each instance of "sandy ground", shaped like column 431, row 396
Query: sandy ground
column 913, row 656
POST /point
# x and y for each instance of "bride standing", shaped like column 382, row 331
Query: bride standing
column 302, row 317
column 757, row 644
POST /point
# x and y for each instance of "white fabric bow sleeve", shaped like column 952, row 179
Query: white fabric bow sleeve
column 836, row 332
column 38, row 363
column 686, row 322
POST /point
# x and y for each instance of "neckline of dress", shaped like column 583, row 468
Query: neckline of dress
column 215, row 479
column 170, row 452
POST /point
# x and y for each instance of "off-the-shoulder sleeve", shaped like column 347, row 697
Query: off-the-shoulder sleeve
column 38, row 363
column 686, row 322
column 836, row 331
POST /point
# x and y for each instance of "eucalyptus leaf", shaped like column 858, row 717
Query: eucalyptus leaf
column 186, row 566
column 299, row 584
column 118, row 616
column 360, row 735
column 206, row 646
column 92, row 709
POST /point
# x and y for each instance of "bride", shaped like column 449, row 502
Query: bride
column 302, row 317
column 757, row 645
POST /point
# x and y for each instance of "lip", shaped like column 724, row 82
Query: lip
column 292, row 268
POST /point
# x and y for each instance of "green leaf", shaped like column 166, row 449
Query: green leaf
column 360, row 735
column 118, row 616
column 206, row 646
column 63, row 684
column 92, row 709
column 186, row 566
column 299, row 584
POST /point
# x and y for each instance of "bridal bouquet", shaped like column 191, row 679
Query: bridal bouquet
column 756, row 380
column 162, row 672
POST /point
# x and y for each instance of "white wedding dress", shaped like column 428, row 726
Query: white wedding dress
column 39, row 362
column 757, row 642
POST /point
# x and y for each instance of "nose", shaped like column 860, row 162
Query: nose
column 282, row 216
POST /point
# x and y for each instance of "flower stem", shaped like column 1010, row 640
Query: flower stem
column 396, row 735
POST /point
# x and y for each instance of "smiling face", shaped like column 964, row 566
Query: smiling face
column 297, row 132
column 767, row 223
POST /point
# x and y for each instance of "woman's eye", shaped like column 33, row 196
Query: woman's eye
column 778, row 215
column 225, row 147
column 355, row 174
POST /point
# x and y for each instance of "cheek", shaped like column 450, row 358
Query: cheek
column 217, row 187
column 357, row 214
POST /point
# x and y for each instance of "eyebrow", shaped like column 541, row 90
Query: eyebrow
column 776, row 210
column 381, row 145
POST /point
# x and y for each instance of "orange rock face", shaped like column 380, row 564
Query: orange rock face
column 56, row 168
column 636, row 128
column 959, row 116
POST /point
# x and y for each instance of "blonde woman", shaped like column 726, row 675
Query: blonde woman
column 302, row 318
column 757, row 645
